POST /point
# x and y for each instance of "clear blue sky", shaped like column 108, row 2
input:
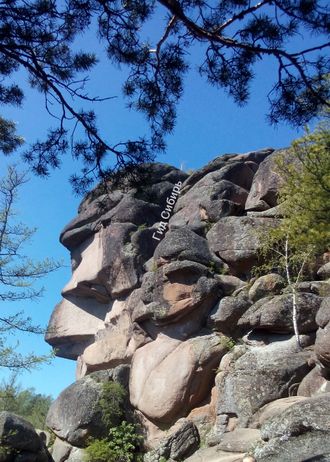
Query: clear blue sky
column 209, row 124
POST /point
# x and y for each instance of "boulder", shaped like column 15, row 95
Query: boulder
column 322, row 346
column 131, row 205
column 260, row 376
column 181, row 441
column 73, row 325
column 302, row 430
column 272, row 409
column 174, row 291
column 184, row 244
column 239, row 440
column 215, row 455
column 106, row 265
column 229, row 283
column 314, row 383
column 275, row 314
column 227, row 312
column 61, row 450
column 236, row 241
column 266, row 183
column 211, row 198
column 324, row 271
column 75, row 415
column 160, row 389
column 18, row 434
column 269, row 284
column 323, row 314
column 252, row 157
column 89, row 219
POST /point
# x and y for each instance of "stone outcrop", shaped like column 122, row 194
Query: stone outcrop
column 19, row 441
column 162, row 300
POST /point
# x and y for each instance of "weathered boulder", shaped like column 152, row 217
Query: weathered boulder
column 116, row 343
column 184, row 244
column 254, row 380
column 138, row 206
column 18, row 434
column 227, row 312
column 106, row 265
column 175, row 290
column 254, row 157
column 322, row 346
column 302, row 430
column 266, row 183
column 73, row 325
column 270, row 284
column 314, row 383
column 272, row 409
column 215, row 455
column 213, row 196
column 324, row 271
column 229, row 284
column 76, row 415
column 163, row 391
column 236, row 241
column 323, row 314
column 181, row 441
column 275, row 314
column 239, row 440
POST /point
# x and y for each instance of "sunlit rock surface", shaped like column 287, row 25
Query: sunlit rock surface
column 162, row 299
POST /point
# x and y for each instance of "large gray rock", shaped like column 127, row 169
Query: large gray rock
column 266, row 183
column 212, row 197
column 300, row 433
column 260, row 376
column 275, row 314
column 227, row 312
column 75, row 415
column 18, row 434
column 236, row 241
column 184, row 244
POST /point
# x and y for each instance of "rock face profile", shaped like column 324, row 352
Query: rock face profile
column 162, row 300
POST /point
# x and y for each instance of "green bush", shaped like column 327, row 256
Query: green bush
column 121, row 442
column 112, row 404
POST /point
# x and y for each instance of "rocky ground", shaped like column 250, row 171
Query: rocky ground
column 162, row 300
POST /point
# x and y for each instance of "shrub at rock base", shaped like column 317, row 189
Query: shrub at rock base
column 121, row 441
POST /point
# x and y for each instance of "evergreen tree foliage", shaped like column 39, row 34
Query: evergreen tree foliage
column 304, row 201
column 39, row 38
column 26, row 403
column 18, row 273
column 121, row 441
column 303, row 232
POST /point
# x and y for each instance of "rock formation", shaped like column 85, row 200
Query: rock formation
column 162, row 300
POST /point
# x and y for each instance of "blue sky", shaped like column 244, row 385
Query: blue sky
column 209, row 124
